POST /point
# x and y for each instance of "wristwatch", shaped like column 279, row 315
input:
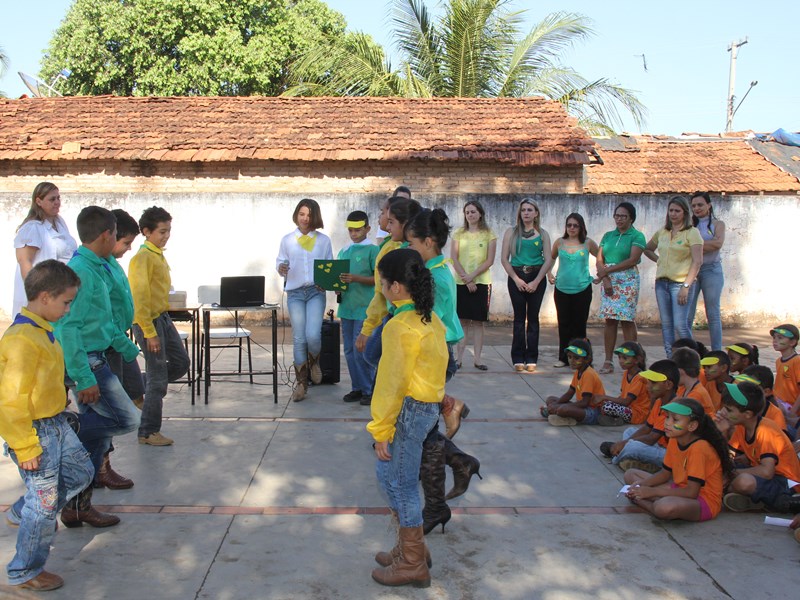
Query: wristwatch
column 686, row 285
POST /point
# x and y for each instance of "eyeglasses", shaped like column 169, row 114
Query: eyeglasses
column 572, row 225
column 621, row 217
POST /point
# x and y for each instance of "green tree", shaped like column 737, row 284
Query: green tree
column 475, row 48
column 185, row 47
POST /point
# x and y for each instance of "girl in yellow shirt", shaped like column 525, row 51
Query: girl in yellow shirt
column 405, row 407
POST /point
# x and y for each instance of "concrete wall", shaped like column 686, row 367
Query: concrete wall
column 222, row 234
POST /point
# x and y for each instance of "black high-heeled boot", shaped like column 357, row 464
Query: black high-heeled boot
column 432, row 475
column 464, row 467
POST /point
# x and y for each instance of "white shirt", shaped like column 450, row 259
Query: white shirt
column 55, row 243
column 301, row 262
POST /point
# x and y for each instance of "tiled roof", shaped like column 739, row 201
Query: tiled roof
column 650, row 166
column 524, row 131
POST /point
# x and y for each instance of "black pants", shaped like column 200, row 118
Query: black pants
column 525, row 340
column 573, row 312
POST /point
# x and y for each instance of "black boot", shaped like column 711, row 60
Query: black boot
column 464, row 467
column 432, row 475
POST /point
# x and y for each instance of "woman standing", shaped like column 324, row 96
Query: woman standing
column 306, row 301
column 42, row 235
column 710, row 279
column 473, row 251
column 619, row 253
column 573, row 283
column 679, row 256
column 526, row 258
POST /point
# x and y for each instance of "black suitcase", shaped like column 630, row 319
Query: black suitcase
column 329, row 357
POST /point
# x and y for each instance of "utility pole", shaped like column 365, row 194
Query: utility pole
column 734, row 50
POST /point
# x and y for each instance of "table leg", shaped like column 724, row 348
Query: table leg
column 275, row 354
column 207, row 351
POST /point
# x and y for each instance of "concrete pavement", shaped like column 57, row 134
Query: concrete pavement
column 257, row 500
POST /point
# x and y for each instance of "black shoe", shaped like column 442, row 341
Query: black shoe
column 605, row 448
column 787, row 504
column 353, row 396
column 366, row 400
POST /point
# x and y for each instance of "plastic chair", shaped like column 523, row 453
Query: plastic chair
column 209, row 294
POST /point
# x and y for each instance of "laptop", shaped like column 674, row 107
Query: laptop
column 241, row 291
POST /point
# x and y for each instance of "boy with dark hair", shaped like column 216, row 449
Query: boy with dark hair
column 787, row 367
column 86, row 334
column 762, row 376
column 688, row 363
column 52, row 462
column 165, row 357
column 766, row 458
column 644, row 447
column 353, row 307
column 716, row 366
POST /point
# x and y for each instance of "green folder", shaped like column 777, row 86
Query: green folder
column 327, row 272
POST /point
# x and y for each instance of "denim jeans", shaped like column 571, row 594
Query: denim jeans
column 374, row 348
column 525, row 339
column 674, row 316
column 362, row 374
column 169, row 364
column 64, row 470
column 113, row 414
column 306, row 310
column 710, row 281
column 640, row 451
column 399, row 477
column 129, row 373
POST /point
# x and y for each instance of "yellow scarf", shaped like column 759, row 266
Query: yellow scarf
column 307, row 242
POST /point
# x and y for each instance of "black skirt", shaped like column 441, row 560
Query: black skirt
column 473, row 306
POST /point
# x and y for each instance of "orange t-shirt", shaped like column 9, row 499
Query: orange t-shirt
column 699, row 462
column 588, row 383
column 656, row 419
column 768, row 441
column 714, row 394
column 699, row 393
column 787, row 379
column 776, row 414
column 637, row 387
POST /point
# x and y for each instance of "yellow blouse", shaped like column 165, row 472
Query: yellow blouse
column 377, row 308
column 413, row 364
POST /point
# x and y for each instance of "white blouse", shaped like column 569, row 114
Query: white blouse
column 301, row 262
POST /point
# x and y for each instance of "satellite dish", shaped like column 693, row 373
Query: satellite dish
column 39, row 88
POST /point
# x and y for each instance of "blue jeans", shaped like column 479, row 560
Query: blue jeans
column 306, row 310
column 374, row 348
column 361, row 373
column 64, row 471
column 710, row 281
column 113, row 414
column 640, row 451
column 169, row 364
column 128, row 373
column 674, row 316
column 399, row 477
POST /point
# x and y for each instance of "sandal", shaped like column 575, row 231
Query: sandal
column 607, row 368
column 481, row 367
column 544, row 412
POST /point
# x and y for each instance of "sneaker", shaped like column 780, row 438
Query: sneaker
column 605, row 449
column 353, row 396
column 609, row 421
column 785, row 503
column 519, row 367
column 630, row 463
column 366, row 400
column 560, row 365
column 12, row 520
column 43, row 582
column 740, row 503
column 530, row 367
column 557, row 421
column 156, row 439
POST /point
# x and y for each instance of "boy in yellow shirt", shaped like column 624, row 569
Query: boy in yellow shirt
column 52, row 461
column 165, row 357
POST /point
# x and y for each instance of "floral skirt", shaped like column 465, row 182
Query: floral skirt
column 620, row 305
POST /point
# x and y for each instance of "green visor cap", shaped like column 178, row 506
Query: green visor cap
column 747, row 378
column 653, row 376
column 576, row 351
column 784, row 332
column 736, row 394
column 625, row 351
column 677, row 408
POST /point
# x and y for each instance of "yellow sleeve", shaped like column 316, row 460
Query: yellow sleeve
column 20, row 360
column 139, row 273
column 401, row 348
column 375, row 311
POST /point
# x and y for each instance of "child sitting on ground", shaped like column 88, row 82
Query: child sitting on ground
column 688, row 363
column 716, row 365
column 762, row 376
column 633, row 403
column 689, row 484
column 52, row 462
column 765, row 460
column 742, row 355
column 644, row 447
column 585, row 386
column 360, row 280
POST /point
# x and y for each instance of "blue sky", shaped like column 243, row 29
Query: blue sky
column 685, row 44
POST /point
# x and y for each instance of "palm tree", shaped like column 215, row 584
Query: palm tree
column 474, row 49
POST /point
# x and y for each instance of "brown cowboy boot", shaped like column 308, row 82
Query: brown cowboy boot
column 315, row 371
column 385, row 559
column 409, row 568
column 108, row 477
column 79, row 510
column 301, row 383
column 464, row 467
column 453, row 410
